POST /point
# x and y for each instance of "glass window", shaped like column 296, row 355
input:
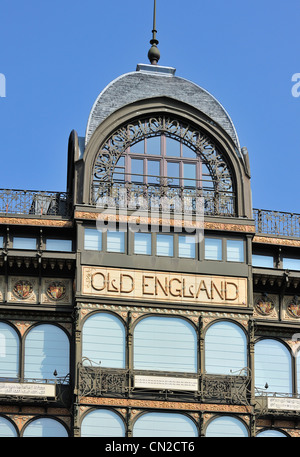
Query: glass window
column 92, row 239
column 138, row 148
column 271, row 434
column 164, row 424
column 9, row 352
column 291, row 264
column 265, row 261
column 46, row 351
column 189, row 174
column 153, row 145
column 7, row 429
column 142, row 243
column 153, row 172
column 58, row 245
column 173, row 173
column 172, row 147
column 226, row 426
column 24, row 243
column 115, row 241
column 164, row 245
column 213, row 249
column 102, row 423
column 1, row 241
column 165, row 344
column 46, row 428
column 187, row 246
column 225, row 349
column 272, row 366
column 137, row 167
column 103, row 341
column 235, row 251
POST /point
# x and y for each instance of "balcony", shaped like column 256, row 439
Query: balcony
column 277, row 223
column 35, row 203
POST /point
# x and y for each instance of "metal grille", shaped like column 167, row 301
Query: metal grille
column 277, row 223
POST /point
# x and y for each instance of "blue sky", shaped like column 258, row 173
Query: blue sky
column 58, row 56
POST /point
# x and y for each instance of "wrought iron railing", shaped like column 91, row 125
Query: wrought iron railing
column 156, row 197
column 36, row 203
column 277, row 223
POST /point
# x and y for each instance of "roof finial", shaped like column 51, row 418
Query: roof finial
column 154, row 54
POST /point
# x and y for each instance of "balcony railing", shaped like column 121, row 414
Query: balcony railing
column 34, row 203
column 277, row 223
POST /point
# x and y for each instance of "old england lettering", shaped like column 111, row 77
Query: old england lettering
column 150, row 285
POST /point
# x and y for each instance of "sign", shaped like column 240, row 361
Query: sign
column 162, row 286
column 284, row 403
column 27, row 390
column 163, row 382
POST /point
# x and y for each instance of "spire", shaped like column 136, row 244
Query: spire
column 154, row 54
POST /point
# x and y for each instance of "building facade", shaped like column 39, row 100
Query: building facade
column 149, row 299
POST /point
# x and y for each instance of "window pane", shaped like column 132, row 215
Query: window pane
column 92, row 239
column 138, row 148
column 142, row 243
column 173, row 173
column 58, row 245
column 9, row 352
column 273, row 366
column 153, row 145
column 262, row 261
column 225, row 349
column 164, row 245
column 137, row 170
column 226, row 427
column 102, row 423
column 115, row 241
column 103, row 341
column 291, row 264
column 7, row 430
column 46, row 350
column 235, row 251
column 153, row 172
column 213, row 249
column 45, row 428
column 165, row 344
column 188, row 153
column 187, row 246
column 172, row 147
column 24, row 243
column 271, row 434
column 1, row 241
column 164, row 424
column 189, row 174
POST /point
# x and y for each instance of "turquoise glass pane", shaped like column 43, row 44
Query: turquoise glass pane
column 164, row 425
column 103, row 341
column 102, row 423
column 225, row 426
column 9, row 352
column 142, row 243
column 7, row 430
column 165, row 344
column 46, row 351
column 46, row 428
column 225, row 349
column 92, row 239
column 273, row 366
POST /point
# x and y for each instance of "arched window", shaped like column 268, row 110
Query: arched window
column 273, row 366
column 103, row 340
column 271, row 434
column 226, row 426
column 161, row 156
column 165, row 344
column 102, row 423
column 7, row 429
column 9, row 352
column 164, row 424
column 47, row 350
column 46, row 428
column 225, row 349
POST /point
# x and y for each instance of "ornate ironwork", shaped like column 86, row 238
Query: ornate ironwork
column 37, row 203
column 220, row 198
column 277, row 223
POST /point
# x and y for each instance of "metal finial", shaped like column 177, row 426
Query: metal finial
column 154, row 54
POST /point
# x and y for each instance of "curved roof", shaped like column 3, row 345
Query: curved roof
column 153, row 81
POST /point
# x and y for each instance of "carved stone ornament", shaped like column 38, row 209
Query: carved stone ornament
column 23, row 289
column 264, row 306
column 56, row 290
column 293, row 308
